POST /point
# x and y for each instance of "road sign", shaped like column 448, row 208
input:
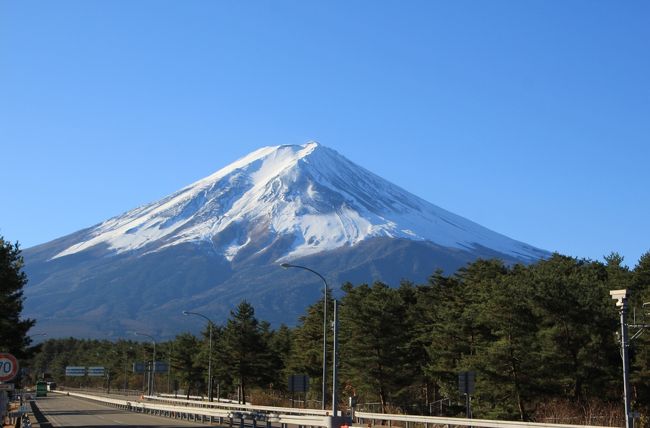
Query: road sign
column 298, row 383
column 96, row 371
column 138, row 367
column 6, row 386
column 466, row 382
column 161, row 367
column 8, row 367
column 75, row 371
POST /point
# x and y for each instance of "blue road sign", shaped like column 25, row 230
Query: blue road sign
column 75, row 371
column 96, row 371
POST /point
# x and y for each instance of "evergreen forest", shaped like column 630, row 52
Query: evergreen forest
column 542, row 340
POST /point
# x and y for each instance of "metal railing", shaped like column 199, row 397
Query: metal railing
column 197, row 398
column 267, row 415
column 243, row 407
column 408, row 421
column 209, row 413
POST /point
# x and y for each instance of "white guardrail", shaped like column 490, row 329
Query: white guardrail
column 241, row 415
column 246, row 414
column 197, row 398
column 370, row 419
column 231, row 405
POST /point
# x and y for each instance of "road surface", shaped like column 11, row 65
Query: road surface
column 65, row 411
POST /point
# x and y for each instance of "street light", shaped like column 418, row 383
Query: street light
column 31, row 336
column 112, row 348
column 169, row 367
column 324, row 388
column 209, row 353
column 126, row 360
column 37, row 334
column 153, row 362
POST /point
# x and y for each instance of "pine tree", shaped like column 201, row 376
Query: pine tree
column 13, row 329
column 508, row 355
column 577, row 325
column 374, row 341
column 307, row 347
column 449, row 336
column 280, row 347
column 244, row 351
column 418, row 320
column 640, row 349
column 185, row 361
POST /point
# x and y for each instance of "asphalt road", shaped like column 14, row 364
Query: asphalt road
column 65, row 411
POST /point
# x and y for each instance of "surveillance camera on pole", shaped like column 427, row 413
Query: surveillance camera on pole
column 621, row 302
column 620, row 296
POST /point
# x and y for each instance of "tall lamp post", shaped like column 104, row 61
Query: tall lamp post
column 150, row 387
column 126, row 361
column 31, row 336
column 324, row 388
column 169, row 367
column 209, row 353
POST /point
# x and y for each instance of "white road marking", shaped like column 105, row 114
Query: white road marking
column 52, row 420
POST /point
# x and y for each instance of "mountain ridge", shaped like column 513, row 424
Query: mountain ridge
column 307, row 191
column 220, row 240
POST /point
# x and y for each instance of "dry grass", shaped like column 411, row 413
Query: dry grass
column 593, row 412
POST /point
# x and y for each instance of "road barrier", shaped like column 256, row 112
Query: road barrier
column 236, row 406
column 247, row 415
column 409, row 421
column 237, row 416
column 198, row 398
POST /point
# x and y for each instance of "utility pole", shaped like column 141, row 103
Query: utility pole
column 324, row 383
column 169, row 367
column 210, row 324
column 621, row 297
column 152, row 369
column 335, row 328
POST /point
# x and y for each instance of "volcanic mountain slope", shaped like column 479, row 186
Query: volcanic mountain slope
column 221, row 240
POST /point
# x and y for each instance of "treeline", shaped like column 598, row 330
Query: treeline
column 542, row 340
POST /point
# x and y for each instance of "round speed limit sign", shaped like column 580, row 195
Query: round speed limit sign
column 8, row 367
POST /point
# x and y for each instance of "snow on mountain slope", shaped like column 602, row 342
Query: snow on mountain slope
column 310, row 192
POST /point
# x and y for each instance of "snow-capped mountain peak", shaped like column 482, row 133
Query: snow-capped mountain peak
column 308, row 195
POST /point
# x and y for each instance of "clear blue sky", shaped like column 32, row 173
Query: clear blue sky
column 531, row 118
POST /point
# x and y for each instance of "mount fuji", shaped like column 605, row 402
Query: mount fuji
column 221, row 239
